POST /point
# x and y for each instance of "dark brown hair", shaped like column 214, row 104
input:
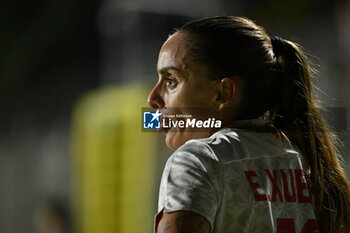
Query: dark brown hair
column 277, row 78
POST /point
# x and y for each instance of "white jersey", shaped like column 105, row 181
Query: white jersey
column 240, row 181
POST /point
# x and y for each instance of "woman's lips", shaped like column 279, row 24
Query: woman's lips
column 165, row 130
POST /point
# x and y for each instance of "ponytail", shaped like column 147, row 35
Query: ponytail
column 298, row 115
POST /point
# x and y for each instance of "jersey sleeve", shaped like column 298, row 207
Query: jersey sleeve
column 187, row 182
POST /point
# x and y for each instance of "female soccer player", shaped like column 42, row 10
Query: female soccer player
column 273, row 166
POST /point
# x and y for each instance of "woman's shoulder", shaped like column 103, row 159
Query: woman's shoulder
column 212, row 148
column 234, row 144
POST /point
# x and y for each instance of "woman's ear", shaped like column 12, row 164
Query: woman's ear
column 227, row 92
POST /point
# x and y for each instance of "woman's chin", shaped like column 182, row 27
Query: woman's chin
column 175, row 138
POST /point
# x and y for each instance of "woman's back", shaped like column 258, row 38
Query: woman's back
column 241, row 181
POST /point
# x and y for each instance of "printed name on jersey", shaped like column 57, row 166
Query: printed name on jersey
column 294, row 187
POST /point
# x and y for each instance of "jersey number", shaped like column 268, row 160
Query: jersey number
column 286, row 225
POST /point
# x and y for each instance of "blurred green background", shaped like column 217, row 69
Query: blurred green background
column 74, row 76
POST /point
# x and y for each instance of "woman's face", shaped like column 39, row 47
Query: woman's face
column 183, row 85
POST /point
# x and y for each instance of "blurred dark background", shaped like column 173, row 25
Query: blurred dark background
column 53, row 52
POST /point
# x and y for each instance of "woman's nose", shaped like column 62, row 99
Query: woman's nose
column 155, row 99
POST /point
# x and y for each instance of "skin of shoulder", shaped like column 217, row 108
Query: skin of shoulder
column 183, row 222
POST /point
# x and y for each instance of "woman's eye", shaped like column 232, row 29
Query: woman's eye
column 170, row 82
